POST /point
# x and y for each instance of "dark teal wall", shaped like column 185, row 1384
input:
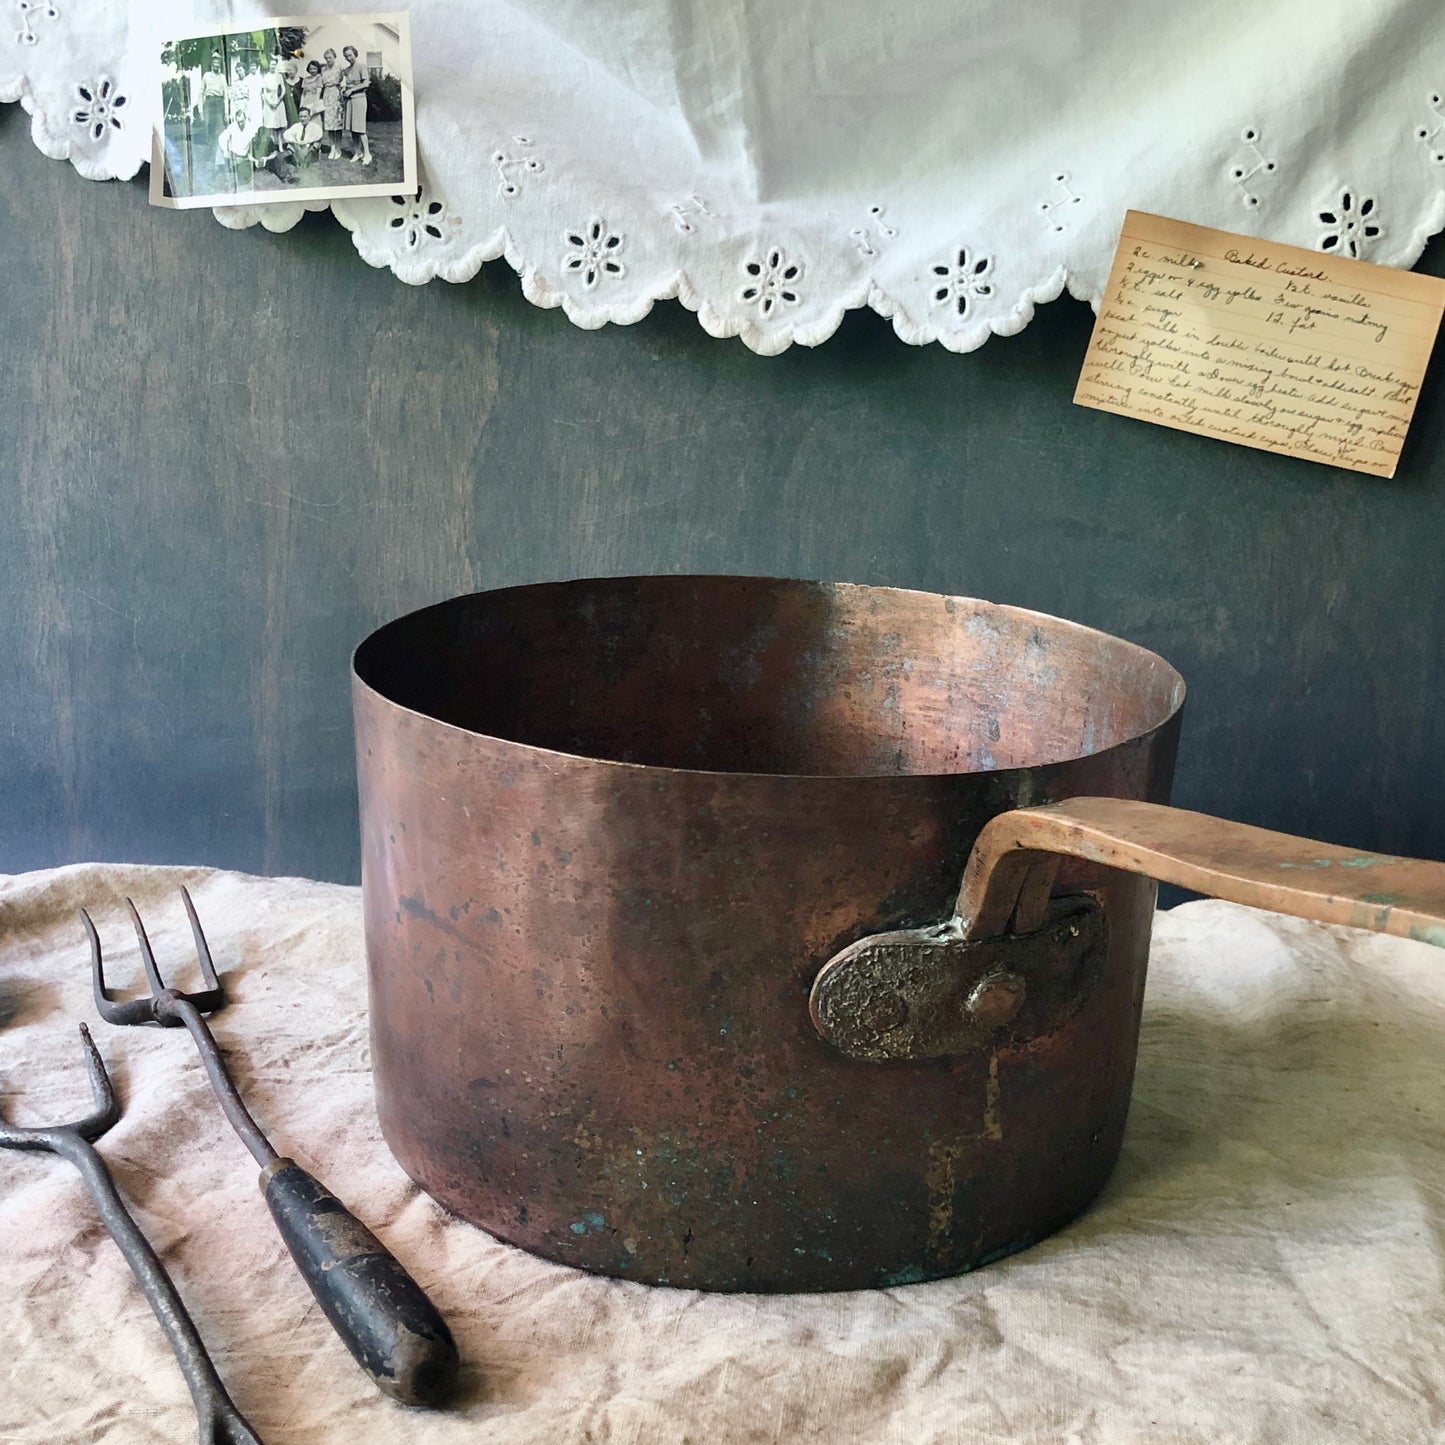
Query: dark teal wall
column 226, row 457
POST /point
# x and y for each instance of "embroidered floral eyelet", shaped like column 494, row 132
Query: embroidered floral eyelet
column 1354, row 223
column 100, row 107
column 595, row 252
column 683, row 211
column 1070, row 197
column 961, row 279
column 420, row 219
column 774, row 282
column 1430, row 135
column 877, row 213
column 863, row 238
column 29, row 9
column 1256, row 164
column 511, row 168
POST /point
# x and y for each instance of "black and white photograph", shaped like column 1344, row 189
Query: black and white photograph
column 306, row 109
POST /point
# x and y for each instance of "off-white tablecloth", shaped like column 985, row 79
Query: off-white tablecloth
column 1265, row 1265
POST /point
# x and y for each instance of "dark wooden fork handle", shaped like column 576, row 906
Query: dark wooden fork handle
column 377, row 1308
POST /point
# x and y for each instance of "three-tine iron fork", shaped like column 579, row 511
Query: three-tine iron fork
column 381, row 1313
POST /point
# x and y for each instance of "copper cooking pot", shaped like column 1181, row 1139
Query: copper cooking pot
column 668, row 979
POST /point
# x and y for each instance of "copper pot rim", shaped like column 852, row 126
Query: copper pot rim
column 1177, row 688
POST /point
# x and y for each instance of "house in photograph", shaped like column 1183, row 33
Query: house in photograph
column 380, row 48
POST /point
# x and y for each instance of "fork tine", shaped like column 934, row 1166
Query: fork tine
column 97, row 971
column 107, row 1109
column 113, row 1011
column 203, row 949
column 95, row 1123
column 148, row 959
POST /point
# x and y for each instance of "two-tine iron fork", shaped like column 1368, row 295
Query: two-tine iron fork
column 220, row 1421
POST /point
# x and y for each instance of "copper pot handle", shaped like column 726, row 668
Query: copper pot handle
column 1015, row 857
column 1013, row 963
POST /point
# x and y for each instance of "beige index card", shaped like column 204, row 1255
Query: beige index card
column 1271, row 346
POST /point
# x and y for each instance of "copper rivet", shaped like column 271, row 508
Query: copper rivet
column 996, row 999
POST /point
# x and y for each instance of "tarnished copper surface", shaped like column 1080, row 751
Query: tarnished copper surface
column 611, row 832
column 1403, row 896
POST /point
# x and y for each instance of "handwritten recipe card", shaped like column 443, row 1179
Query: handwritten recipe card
column 1267, row 345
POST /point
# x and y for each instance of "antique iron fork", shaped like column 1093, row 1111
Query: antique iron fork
column 381, row 1313
column 220, row 1421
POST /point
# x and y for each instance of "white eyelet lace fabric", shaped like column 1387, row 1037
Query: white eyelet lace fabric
column 774, row 167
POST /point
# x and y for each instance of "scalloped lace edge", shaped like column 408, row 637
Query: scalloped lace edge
column 770, row 341
column 765, row 341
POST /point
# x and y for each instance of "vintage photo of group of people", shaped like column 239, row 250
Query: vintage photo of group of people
column 295, row 111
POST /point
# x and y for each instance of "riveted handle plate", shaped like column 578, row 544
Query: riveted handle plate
column 926, row 993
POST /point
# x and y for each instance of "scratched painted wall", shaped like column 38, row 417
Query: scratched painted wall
column 226, row 457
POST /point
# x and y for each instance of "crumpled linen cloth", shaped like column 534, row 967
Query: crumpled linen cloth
column 1265, row 1265
column 774, row 166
